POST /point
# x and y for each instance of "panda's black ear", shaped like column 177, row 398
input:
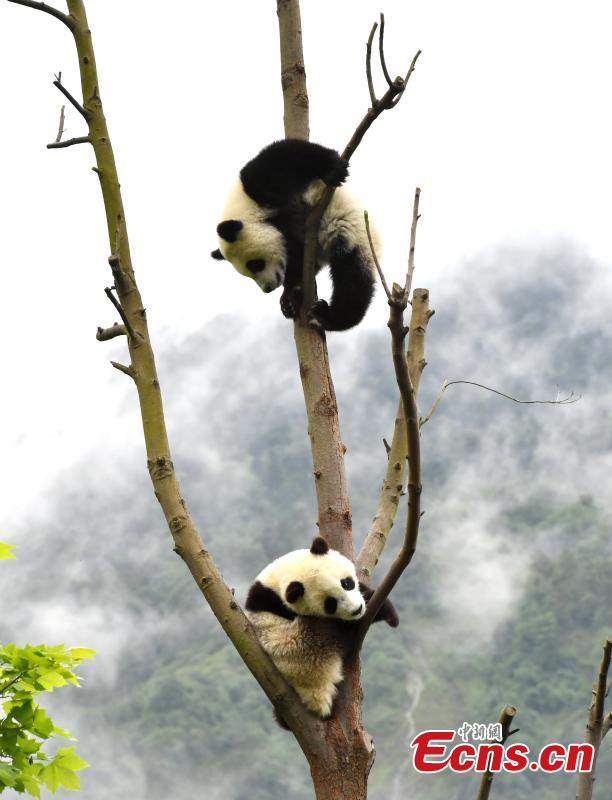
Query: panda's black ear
column 294, row 591
column 229, row 229
column 319, row 546
column 217, row 255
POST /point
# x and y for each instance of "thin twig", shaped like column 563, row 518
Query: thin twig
column 105, row 334
column 373, row 251
column 369, row 64
column 381, row 50
column 58, row 84
column 129, row 371
column 407, row 78
column 62, row 119
column 11, row 682
column 69, row 142
column 109, row 293
column 413, row 227
column 68, row 21
column 564, row 401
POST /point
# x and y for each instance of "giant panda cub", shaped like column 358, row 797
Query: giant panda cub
column 281, row 605
column 262, row 231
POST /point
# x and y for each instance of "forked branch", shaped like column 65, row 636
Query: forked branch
column 390, row 98
column 393, row 483
column 398, row 301
column 187, row 541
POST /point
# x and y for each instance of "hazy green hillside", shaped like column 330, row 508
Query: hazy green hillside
column 507, row 601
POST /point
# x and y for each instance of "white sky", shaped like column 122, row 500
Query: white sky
column 505, row 126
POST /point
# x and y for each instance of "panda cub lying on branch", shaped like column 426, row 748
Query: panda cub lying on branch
column 281, row 604
column 263, row 230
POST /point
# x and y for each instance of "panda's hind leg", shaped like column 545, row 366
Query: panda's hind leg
column 353, row 288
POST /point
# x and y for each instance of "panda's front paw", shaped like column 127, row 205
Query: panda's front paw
column 291, row 301
column 338, row 173
column 317, row 316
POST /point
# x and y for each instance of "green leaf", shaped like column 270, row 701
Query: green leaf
column 66, row 757
column 31, row 784
column 50, row 680
column 79, row 653
column 54, row 776
column 8, row 775
column 5, row 551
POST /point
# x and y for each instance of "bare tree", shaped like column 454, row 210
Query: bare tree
column 339, row 752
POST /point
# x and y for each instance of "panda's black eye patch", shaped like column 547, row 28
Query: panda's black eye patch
column 347, row 583
column 294, row 591
column 229, row 229
column 256, row 264
column 331, row 604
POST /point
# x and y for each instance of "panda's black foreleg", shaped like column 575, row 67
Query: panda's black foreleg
column 291, row 298
column 386, row 613
column 353, row 289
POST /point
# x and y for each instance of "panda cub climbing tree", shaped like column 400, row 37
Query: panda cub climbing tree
column 281, row 604
column 262, row 231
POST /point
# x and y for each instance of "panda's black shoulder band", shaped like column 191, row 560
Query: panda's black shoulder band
column 262, row 598
column 319, row 546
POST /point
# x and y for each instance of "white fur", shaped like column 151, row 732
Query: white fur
column 311, row 670
column 312, row 665
column 260, row 239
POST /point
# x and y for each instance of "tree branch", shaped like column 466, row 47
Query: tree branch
column 506, row 718
column 369, row 64
column 333, row 509
column 58, row 84
column 293, row 72
column 393, row 483
column 69, row 142
column 413, row 228
column 596, row 725
column 381, row 50
column 60, row 128
column 129, row 371
column 48, row 10
column 105, row 334
column 397, row 306
column 564, row 401
column 128, row 326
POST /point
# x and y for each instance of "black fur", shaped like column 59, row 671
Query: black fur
column 276, row 179
column 229, row 229
column 319, row 546
column 386, row 613
column 294, row 591
column 331, row 605
column 261, row 598
column 284, row 169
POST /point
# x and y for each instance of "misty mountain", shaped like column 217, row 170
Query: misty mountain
column 507, row 600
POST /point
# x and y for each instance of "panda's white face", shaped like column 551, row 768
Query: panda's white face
column 253, row 246
column 316, row 585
